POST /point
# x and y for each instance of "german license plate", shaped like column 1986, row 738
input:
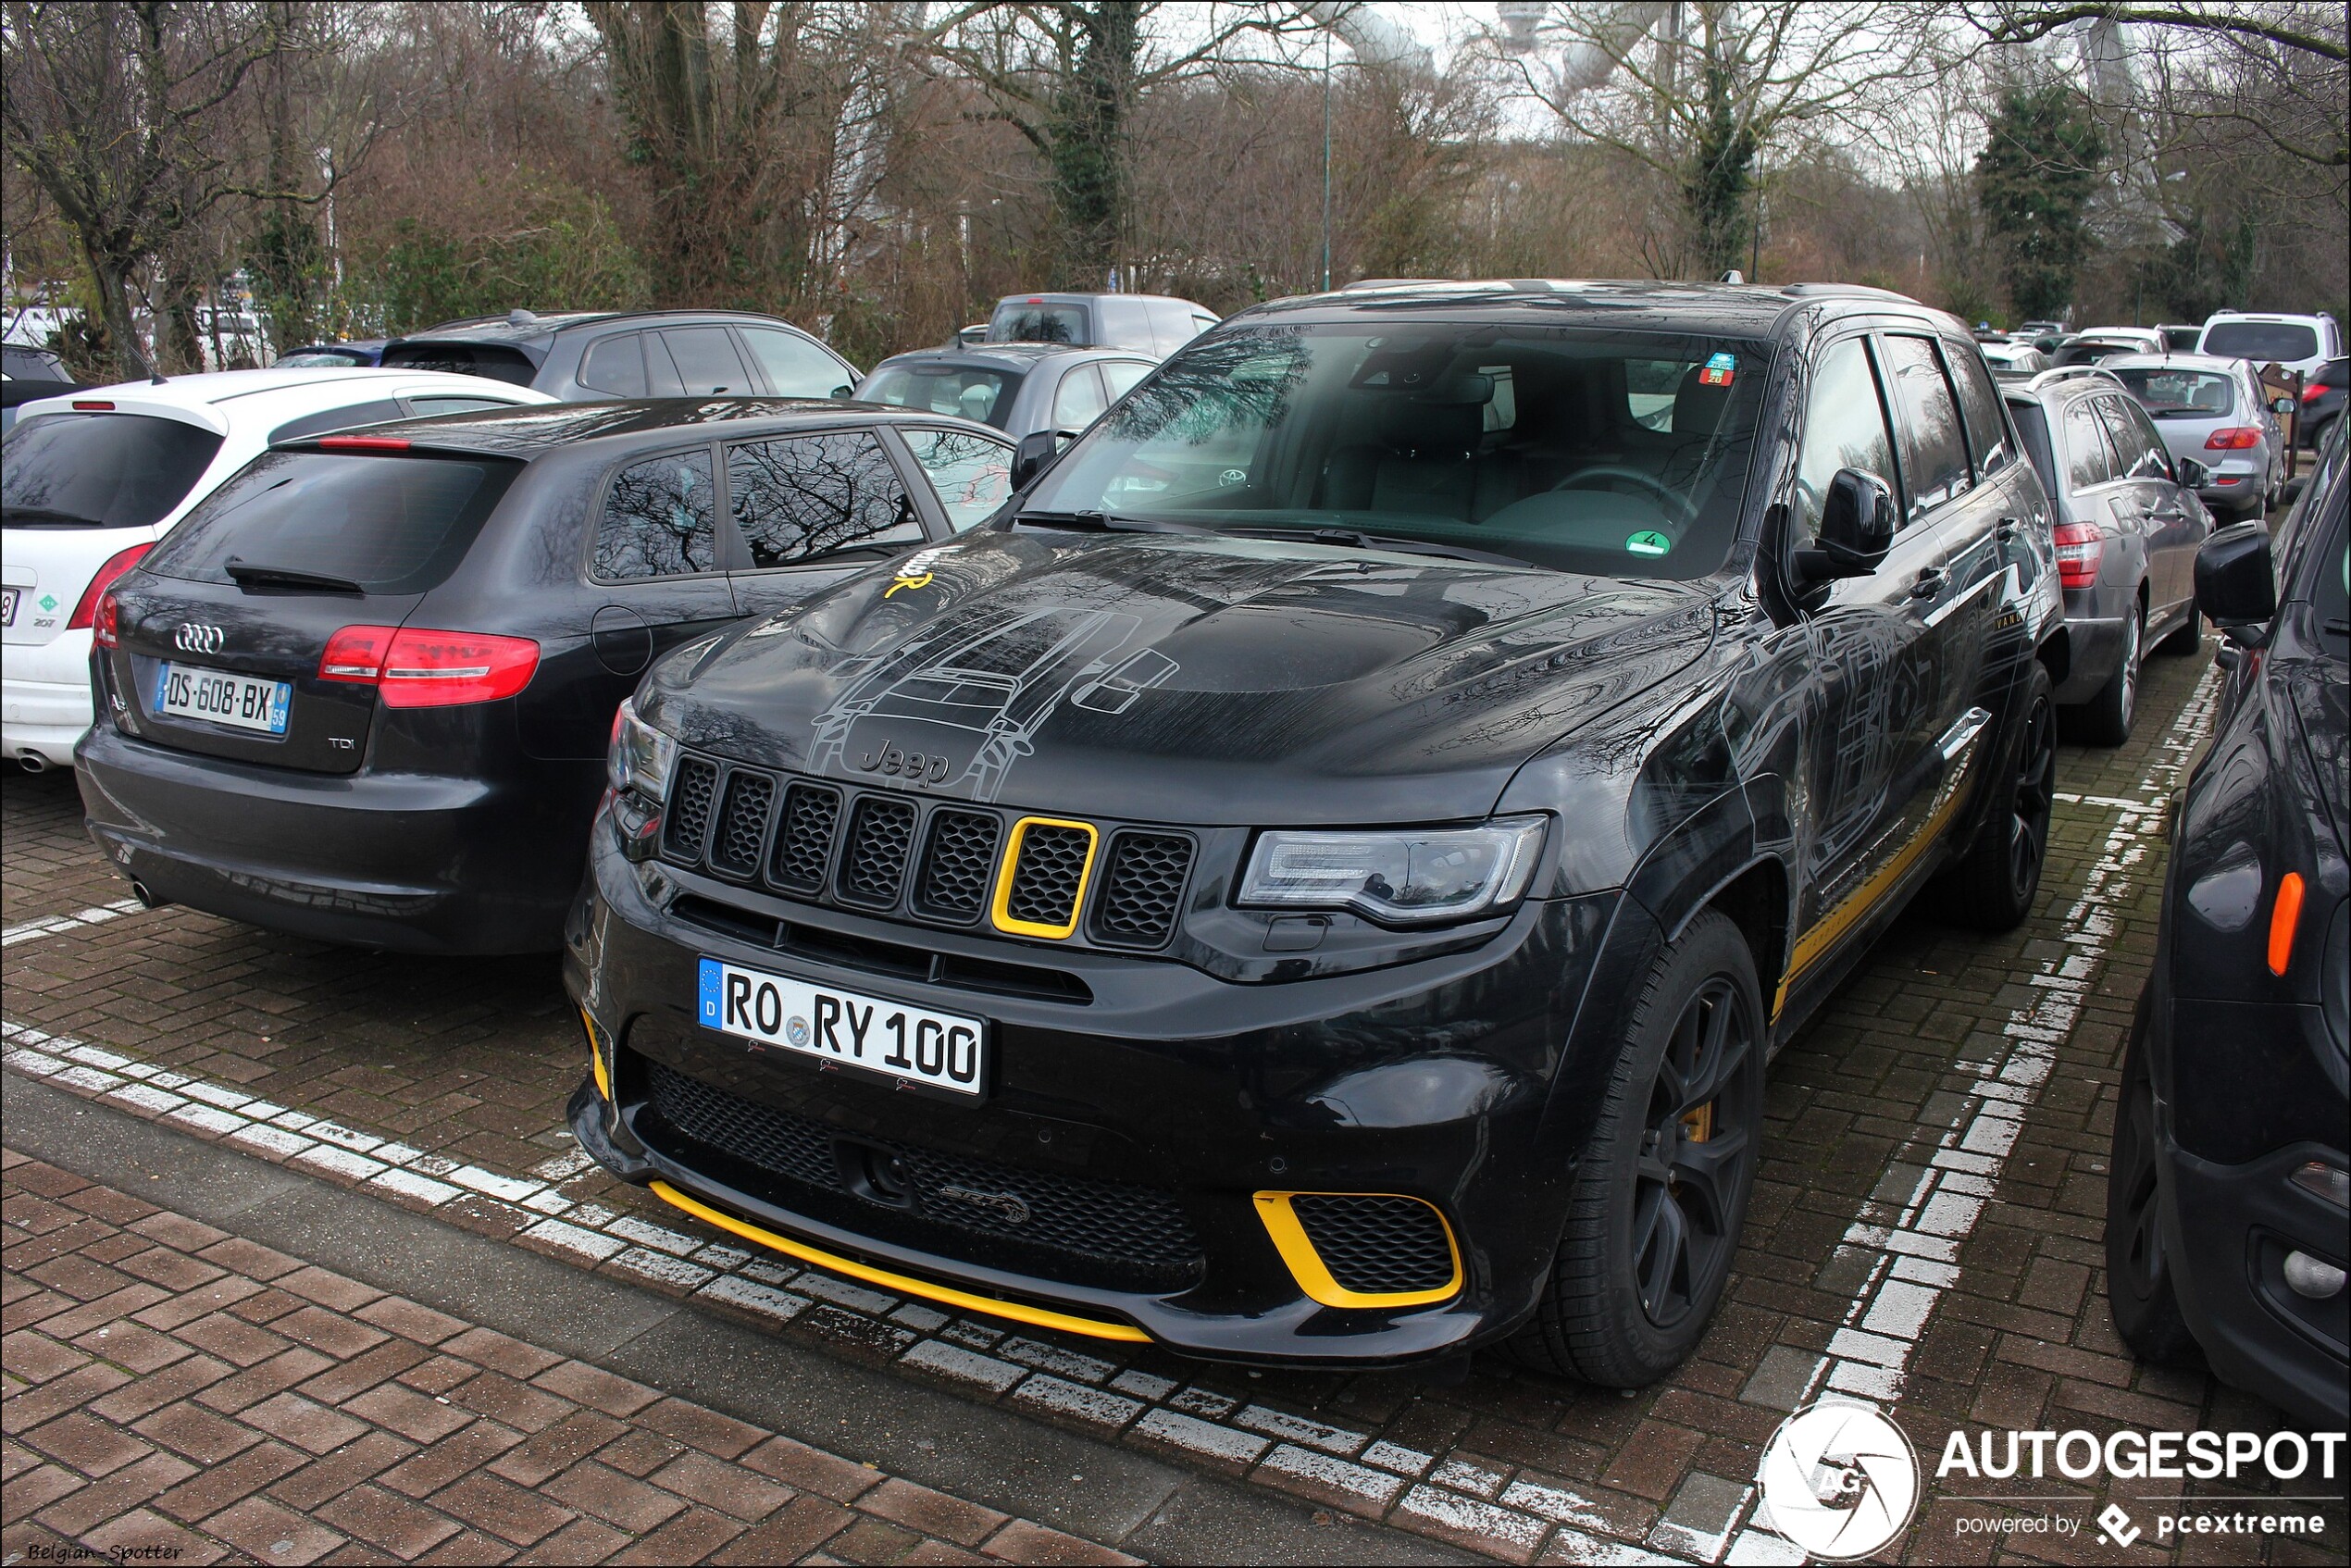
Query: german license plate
column 913, row 1044
column 8, row 597
column 218, row 697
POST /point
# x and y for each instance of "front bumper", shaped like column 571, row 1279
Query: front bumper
column 1466, row 1081
column 413, row 862
column 45, row 698
column 2228, row 1226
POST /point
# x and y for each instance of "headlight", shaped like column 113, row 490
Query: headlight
column 641, row 756
column 1403, row 877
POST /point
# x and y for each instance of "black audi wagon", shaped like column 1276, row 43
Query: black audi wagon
column 1317, row 878
column 364, row 692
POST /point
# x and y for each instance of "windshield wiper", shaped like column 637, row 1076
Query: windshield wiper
column 1104, row 522
column 50, row 514
column 1402, row 544
column 248, row 574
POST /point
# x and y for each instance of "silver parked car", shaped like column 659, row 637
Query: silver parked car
column 2128, row 524
column 2211, row 409
column 1019, row 388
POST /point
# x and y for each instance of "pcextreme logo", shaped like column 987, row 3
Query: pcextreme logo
column 1839, row 1479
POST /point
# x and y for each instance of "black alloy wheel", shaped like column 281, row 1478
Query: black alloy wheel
column 1994, row 884
column 1661, row 1190
column 1696, row 1156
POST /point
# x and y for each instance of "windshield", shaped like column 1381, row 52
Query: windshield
column 2263, row 341
column 1588, row 450
column 385, row 525
column 1017, row 321
column 983, row 395
column 2180, row 394
column 99, row 470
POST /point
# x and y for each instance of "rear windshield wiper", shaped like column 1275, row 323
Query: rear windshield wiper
column 248, row 574
column 1403, row 544
column 52, row 516
column 1104, row 522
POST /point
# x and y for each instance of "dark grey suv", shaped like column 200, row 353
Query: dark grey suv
column 580, row 357
column 2128, row 524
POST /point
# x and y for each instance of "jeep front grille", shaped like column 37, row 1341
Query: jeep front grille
column 804, row 841
column 957, row 863
column 742, row 824
column 1046, row 877
column 1143, row 888
column 689, row 799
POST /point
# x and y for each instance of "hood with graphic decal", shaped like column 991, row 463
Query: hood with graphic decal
column 1184, row 678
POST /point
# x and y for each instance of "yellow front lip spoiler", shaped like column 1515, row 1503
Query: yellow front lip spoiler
column 947, row 1295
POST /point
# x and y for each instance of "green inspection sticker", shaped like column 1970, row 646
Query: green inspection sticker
column 1648, row 541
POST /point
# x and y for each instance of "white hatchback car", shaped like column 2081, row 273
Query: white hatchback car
column 90, row 480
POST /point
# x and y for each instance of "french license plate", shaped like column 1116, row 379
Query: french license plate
column 939, row 1049
column 184, row 692
column 8, row 597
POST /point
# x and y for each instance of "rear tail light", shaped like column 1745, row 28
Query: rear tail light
column 415, row 668
column 117, row 564
column 2284, row 916
column 92, row 405
column 362, row 443
column 2079, row 548
column 2314, row 391
column 2236, row 438
column 104, row 619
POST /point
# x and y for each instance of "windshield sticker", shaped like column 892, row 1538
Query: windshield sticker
column 1717, row 373
column 1648, row 541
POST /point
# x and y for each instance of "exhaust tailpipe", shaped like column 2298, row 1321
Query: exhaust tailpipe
column 33, row 761
column 148, row 898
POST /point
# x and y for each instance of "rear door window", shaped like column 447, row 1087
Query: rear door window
column 707, row 363
column 2138, row 450
column 795, row 367
column 100, row 470
column 2087, row 461
column 1120, row 376
column 1987, row 432
column 971, row 473
column 660, row 519
column 804, row 497
column 615, row 365
column 390, row 525
column 1934, row 460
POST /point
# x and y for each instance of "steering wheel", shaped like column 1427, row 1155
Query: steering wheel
column 1677, row 504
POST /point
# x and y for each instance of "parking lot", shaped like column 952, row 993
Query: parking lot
column 1925, row 1233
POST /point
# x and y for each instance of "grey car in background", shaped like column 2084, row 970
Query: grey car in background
column 1019, row 388
column 2211, row 409
column 2128, row 522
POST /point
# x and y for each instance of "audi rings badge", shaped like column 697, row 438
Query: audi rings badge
column 198, row 639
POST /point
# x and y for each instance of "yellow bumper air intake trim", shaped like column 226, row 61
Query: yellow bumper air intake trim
column 1307, row 1267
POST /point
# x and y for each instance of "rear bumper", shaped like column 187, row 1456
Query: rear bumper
column 2095, row 645
column 44, row 697
column 414, row 863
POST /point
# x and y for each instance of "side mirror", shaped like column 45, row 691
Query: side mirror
column 1857, row 528
column 2283, row 405
column 2291, row 491
column 2235, row 586
column 840, row 394
column 1036, row 449
column 2193, row 474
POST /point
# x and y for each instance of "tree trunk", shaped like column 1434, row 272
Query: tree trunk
column 1088, row 135
column 112, row 278
column 179, row 346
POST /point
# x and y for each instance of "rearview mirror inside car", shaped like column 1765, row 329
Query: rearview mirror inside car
column 2235, row 586
column 1036, row 449
column 1857, row 528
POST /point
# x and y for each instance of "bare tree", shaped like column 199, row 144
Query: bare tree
column 124, row 113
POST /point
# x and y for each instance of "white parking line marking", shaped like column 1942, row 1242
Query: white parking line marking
column 50, row 925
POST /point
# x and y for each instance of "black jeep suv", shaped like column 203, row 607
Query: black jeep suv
column 1317, row 878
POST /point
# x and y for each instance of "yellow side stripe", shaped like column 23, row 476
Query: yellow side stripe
column 1823, row 933
column 596, row 1057
column 1036, row 1317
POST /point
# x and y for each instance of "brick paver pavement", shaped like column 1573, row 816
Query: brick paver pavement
column 1924, row 1233
column 174, row 1393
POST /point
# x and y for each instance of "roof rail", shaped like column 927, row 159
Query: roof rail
column 2056, row 374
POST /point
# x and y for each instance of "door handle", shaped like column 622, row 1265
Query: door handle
column 2006, row 532
column 1930, row 582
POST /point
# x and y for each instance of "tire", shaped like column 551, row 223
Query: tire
column 1993, row 887
column 2106, row 717
column 1653, row 1218
column 2138, row 1270
column 2185, row 639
